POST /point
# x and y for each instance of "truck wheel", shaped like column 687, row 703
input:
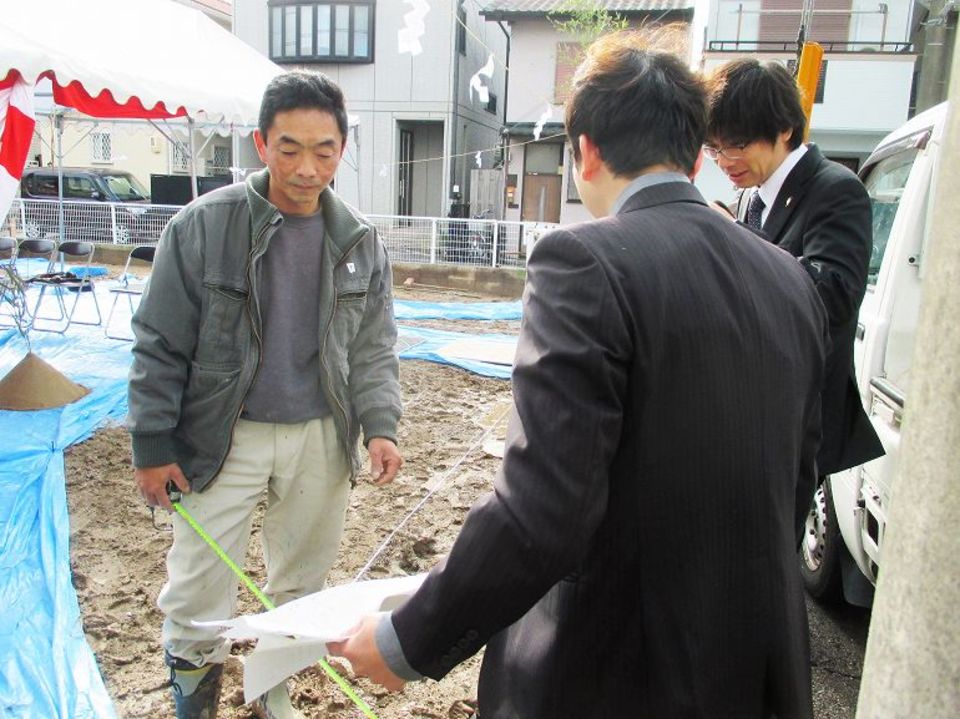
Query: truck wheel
column 820, row 549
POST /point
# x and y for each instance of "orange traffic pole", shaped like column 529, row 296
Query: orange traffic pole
column 808, row 75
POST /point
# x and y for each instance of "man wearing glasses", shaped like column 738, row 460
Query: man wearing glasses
column 816, row 210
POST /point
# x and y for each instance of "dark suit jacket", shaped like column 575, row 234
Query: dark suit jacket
column 822, row 215
column 637, row 557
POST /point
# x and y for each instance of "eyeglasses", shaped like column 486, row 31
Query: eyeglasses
column 732, row 152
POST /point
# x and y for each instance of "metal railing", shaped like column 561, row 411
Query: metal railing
column 471, row 242
column 102, row 222
column 419, row 240
column 790, row 46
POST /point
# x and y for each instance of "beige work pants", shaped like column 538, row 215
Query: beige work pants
column 307, row 478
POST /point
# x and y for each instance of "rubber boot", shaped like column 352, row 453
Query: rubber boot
column 275, row 704
column 196, row 690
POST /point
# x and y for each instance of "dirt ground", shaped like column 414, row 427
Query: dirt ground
column 118, row 556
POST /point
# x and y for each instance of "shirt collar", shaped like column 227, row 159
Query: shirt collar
column 771, row 188
column 642, row 182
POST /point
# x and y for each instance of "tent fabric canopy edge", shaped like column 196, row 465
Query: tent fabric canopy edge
column 102, row 105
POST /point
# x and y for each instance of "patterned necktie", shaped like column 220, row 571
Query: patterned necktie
column 755, row 212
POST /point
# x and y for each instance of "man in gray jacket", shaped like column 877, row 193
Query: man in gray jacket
column 264, row 345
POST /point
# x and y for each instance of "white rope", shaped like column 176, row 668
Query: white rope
column 443, row 480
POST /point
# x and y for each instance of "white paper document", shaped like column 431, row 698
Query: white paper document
column 294, row 636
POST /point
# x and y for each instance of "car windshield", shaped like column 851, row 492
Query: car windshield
column 885, row 184
column 126, row 187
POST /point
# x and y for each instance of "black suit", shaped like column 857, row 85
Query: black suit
column 822, row 215
column 637, row 557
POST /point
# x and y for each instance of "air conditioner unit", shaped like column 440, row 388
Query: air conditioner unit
column 156, row 144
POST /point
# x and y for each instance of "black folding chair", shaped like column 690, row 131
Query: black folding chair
column 63, row 282
column 129, row 288
column 14, row 283
column 40, row 248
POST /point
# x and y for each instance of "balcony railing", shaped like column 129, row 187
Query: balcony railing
column 790, row 46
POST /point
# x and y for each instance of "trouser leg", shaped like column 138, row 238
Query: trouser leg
column 199, row 585
column 306, row 508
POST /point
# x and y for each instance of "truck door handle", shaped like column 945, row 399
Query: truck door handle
column 861, row 330
column 887, row 402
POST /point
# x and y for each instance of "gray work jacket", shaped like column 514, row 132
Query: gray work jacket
column 198, row 330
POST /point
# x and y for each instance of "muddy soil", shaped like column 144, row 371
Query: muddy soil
column 118, row 556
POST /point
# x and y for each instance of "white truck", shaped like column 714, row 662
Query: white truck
column 842, row 549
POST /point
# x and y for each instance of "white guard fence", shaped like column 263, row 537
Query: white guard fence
column 419, row 240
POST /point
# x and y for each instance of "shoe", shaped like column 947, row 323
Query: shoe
column 196, row 690
column 275, row 704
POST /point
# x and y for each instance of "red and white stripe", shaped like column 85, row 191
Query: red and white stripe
column 17, row 121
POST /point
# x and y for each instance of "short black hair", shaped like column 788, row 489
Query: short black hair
column 750, row 101
column 301, row 90
column 639, row 107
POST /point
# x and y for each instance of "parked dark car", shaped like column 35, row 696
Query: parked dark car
column 85, row 218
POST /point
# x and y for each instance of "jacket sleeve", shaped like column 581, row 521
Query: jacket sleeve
column 837, row 242
column 165, row 328
column 809, row 473
column 374, row 367
column 551, row 494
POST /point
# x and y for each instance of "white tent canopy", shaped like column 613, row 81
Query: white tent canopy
column 154, row 50
column 148, row 59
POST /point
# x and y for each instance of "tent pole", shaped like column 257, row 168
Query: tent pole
column 193, row 159
column 58, row 123
column 235, row 153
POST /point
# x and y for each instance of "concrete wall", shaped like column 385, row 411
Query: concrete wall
column 533, row 57
column 500, row 282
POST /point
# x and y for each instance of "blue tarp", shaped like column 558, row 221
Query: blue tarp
column 428, row 344
column 47, row 670
column 408, row 310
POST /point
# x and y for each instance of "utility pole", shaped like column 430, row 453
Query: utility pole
column 912, row 664
column 939, row 33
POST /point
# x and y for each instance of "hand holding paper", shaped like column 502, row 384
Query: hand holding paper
column 297, row 634
column 364, row 656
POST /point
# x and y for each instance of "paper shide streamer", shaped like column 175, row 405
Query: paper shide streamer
column 538, row 128
column 477, row 85
column 408, row 37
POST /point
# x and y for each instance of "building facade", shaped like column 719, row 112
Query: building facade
column 419, row 126
column 545, row 48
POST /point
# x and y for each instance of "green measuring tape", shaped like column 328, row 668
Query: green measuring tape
column 265, row 600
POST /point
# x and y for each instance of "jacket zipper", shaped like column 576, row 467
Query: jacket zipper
column 256, row 371
column 323, row 361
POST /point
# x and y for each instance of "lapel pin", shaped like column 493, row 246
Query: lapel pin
column 787, row 203
column 351, row 268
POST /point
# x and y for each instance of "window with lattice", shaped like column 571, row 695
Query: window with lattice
column 101, row 146
column 222, row 159
column 179, row 157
